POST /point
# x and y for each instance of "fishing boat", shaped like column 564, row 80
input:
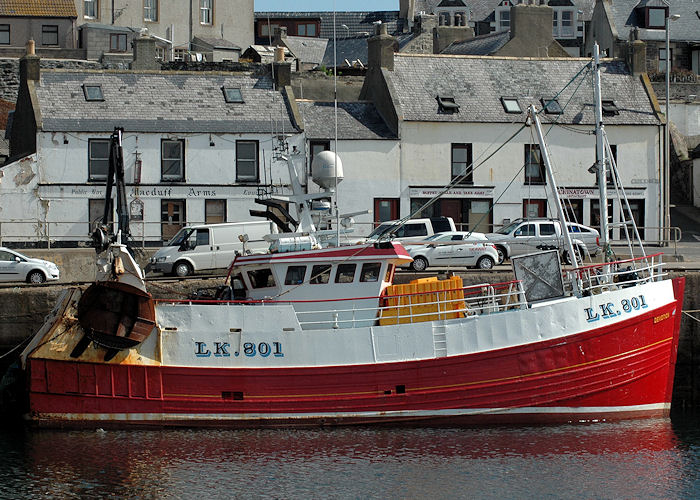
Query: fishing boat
column 315, row 333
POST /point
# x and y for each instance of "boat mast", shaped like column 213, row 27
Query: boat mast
column 555, row 190
column 601, row 163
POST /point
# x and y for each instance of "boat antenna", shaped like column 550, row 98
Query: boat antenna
column 601, row 154
column 335, row 142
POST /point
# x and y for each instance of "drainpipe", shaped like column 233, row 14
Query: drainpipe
column 189, row 42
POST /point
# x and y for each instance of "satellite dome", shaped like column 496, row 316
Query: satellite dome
column 324, row 170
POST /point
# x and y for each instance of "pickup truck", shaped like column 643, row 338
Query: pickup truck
column 412, row 230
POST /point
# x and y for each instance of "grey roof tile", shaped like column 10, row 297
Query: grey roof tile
column 356, row 120
column 478, row 83
column 352, row 49
column 160, row 102
column 483, row 45
column 307, row 49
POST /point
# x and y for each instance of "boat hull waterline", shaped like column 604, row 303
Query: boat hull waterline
column 622, row 369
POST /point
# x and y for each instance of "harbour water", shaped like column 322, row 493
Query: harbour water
column 657, row 458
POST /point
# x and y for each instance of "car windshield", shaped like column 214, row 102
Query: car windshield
column 509, row 228
column 180, row 236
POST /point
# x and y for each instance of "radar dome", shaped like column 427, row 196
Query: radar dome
column 324, row 168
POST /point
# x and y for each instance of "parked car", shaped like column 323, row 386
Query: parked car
column 17, row 267
column 523, row 236
column 412, row 229
column 453, row 248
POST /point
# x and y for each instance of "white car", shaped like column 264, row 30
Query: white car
column 453, row 248
column 17, row 267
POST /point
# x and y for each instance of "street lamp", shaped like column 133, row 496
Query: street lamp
column 667, row 135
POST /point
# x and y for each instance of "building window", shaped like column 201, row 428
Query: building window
column 93, row 93
column 117, row 42
column 462, row 163
column 504, row 20
column 214, row 211
column 98, row 159
column 205, row 11
column 511, row 105
column 316, row 147
column 49, row 34
column 246, row 161
column 306, row 29
column 567, row 24
column 609, row 107
column 4, row 34
column 662, row 59
column 268, row 29
column 172, row 162
column 179, row 54
column 656, row 17
column 232, row 94
column 90, row 9
column 532, row 209
column 534, row 165
column 160, row 53
column 150, row 10
column 385, row 209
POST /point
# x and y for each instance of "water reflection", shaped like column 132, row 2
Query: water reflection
column 654, row 458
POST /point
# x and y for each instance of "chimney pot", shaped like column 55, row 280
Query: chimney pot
column 279, row 54
column 31, row 47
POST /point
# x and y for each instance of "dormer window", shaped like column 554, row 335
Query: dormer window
column 93, row 93
column 551, row 106
column 511, row 105
column 609, row 108
column 232, row 94
column 656, row 17
column 447, row 105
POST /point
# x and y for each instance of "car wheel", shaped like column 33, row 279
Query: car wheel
column 501, row 254
column 579, row 255
column 485, row 262
column 419, row 264
column 36, row 277
column 182, row 269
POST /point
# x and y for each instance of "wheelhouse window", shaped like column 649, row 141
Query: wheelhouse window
column 205, row 11
column 90, row 9
column 172, row 159
column 370, row 272
column 4, row 34
column 150, row 10
column 246, row 161
column 295, row 275
column 49, row 34
column 261, row 278
column 462, row 163
column 345, row 273
column 534, row 165
column 98, row 159
column 320, row 274
column 117, row 42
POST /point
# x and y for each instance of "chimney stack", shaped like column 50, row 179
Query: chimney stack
column 29, row 64
column 380, row 49
column 144, row 48
column 282, row 69
column 636, row 57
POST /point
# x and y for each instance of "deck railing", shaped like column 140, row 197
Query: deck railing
column 622, row 273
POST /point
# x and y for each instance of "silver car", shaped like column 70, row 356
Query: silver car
column 453, row 248
column 17, row 267
column 523, row 236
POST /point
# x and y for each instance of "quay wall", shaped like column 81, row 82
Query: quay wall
column 22, row 311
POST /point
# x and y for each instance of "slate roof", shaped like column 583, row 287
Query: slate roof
column 160, row 102
column 307, row 49
column 356, row 121
column 625, row 17
column 482, row 10
column 478, row 83
column 357, row 22
column 38, row 8
column 352, row 49
column 218, row 43
column 479, row 46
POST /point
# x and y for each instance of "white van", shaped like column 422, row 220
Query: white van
column 210, row 246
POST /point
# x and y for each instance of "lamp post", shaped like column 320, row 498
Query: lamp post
column 667, row 136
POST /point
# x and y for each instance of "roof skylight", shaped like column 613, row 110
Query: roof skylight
column 93, row 92
column 447, row 104
column 551, row 106
column 609, row 108
column 511, row 105
column 232, row 94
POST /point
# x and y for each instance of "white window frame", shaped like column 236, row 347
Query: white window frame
column 150, row 11
column 90, row 9
column 206, row 12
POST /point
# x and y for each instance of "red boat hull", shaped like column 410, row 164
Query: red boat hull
column 606, row 373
